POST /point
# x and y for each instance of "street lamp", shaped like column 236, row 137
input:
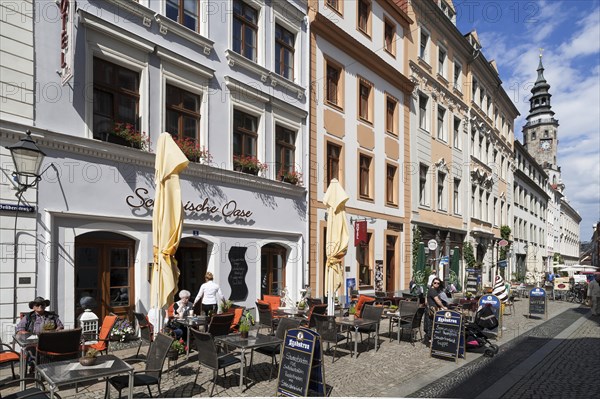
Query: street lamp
column 27, row 159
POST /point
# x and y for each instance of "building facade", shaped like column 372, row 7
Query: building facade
column 227, row 80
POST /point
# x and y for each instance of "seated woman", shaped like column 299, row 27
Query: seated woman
column 181, row 309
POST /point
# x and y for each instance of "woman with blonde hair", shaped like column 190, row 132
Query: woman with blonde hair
column 210, row 294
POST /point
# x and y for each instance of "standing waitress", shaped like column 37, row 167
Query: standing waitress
column 210, row 294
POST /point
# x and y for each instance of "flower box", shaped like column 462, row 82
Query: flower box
column 248, row 164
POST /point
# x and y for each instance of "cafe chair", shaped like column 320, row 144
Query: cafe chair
column 329, row 332
column 220, row 324
column 58, row 345
column 362, row 301
column 9, row 356
column 146, row 331
column 273, row 300
column 414, row 325
column 510, row 305
column 312, row 312
column 371, row 312
column 265, row 316
column 285, row 324
column 29, row 393
column 210, row 358
column 313, row 301
column 152, row 372
column 104, row 335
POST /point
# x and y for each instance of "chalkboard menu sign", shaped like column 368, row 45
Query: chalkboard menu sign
column 537, row 301
column 494, row 302
column 301, row 366
column 447, row 334
column 237, row 275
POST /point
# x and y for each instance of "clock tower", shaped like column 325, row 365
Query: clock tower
column 540, row 133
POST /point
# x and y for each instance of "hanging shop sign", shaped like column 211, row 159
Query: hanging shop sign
column 360, row 232
column 229, row 209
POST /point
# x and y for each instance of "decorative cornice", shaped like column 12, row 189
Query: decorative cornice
column 234, row 59
column 92, row 22
column 287, row 84
column 420, row 76
column 167, row 25
column 245, row 90
column 185, row 63
column 135, row 8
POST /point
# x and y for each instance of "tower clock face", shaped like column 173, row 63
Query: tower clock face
column 545, row 145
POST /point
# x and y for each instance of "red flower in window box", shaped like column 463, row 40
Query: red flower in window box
column 248, row 164
column 192, row 150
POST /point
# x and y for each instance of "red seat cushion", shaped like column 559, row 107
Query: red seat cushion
column 274, row 300
column 237, row 316
column 8, row 357
column 362, row 300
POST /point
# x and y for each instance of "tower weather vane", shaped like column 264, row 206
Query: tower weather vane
column 541, row 52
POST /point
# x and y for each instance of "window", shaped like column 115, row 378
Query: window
column 335, row 4
column 480, row 148
column 423, row 100
column 441, row 192
column 473, row 133
column 474, row 89
column 116, row 100
column 390, row 184
column 284, row 52
column 441, row 124
column 389, row 37
column 245, row 28
column 456, row 197
column 363, row 256
column 473, row 206
column 364, row 178
column 333, row 161
column 364, row 15
column 285, row 149
column 272, row 269
column 185, row 12
column 364, row 99
column 502, row 167
column 390, row 115
column 333, row 82
column 456, row 132
column 480, row 208
column 245, row 134
column 182, row 113
column 457, row 76
column 442, row 62
column 423, row 189
column 424, row 45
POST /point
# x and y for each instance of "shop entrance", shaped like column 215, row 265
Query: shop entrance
column 390, row 256
column 272, row 269
column 104, row 270
column 192, row 261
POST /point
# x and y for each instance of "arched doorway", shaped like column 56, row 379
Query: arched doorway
column 272, row 269
column 104, row 270
column 192, row 261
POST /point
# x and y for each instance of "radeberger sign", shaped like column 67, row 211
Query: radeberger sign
column 229, row 209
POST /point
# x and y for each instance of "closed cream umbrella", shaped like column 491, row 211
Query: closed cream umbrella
column 336, row 241
column 167, row 220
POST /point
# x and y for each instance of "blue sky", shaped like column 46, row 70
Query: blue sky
column 512, row 32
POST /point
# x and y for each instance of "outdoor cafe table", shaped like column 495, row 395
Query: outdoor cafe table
column 356, row 323
column 250, row 343
column 195, row 322
column 24, row 341
column 71, row 372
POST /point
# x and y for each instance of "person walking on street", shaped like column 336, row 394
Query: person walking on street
column 210, row 294
column 594, row 294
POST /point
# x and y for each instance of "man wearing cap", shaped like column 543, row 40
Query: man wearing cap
column 39, row 320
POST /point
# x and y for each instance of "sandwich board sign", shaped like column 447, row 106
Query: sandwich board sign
column 538, row 302
column 301, row 368
column 494, row 302
column 448, row 335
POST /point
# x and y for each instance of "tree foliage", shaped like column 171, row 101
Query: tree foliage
column 469, row 255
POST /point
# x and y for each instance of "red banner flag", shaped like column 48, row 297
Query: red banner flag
column 360, row 232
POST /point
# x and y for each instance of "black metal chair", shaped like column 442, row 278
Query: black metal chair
column 285, row 324
column 210, row 358
column 146, row 331
column 373, row 313
column 29, row 393
column 9, row 356
column 265, row 317
column 314, row 301
column 151, row 374
column 58, row 345
column 406, row 311
column 329, row 332
column 309, row 322
column 220, row 324
column 414, row 325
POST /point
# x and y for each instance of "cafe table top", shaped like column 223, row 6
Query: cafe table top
column 25, row 340
column 251, row 342
column 356, row 322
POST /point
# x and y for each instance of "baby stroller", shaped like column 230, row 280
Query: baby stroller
column 474, row 335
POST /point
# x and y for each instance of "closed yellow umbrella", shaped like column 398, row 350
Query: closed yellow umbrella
column 336, row 242
column 167, row 220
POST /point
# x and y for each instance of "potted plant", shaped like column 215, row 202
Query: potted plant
column 89, row 358
column 248, row 164
column 192, row 150
column 292, row 177
column 246, row 321
column 226, row 306
column 121, row 331
column 177, row 348
column 129, row 135
column 352, row 312
column 302, row 304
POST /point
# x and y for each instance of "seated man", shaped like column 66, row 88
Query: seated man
column 39, row 320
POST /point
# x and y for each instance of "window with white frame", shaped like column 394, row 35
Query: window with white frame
column 285, row 150
column 457, row 78
column 473, row 201
column 184, row 12
column 480, row 210
column 441, row 191
column 423, row 106
column 423, row 185
column 456, row 130
column 424, row 39
column 284, row 52
column 495, row 211
column 456, row 196
column 182, row 115
column 441, row 124
column 245, row 30
column 245, row 134
column 442, row 56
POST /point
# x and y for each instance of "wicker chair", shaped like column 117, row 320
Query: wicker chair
column 285, row 324
column 220, row 324
column 37, row 391
column 370, row 312
column 58, row 345
column 329, row 331
column 146, row 331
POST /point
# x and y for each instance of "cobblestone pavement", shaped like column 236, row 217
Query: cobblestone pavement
column 395, row 370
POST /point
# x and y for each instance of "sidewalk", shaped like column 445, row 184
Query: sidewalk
column 395, row 370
